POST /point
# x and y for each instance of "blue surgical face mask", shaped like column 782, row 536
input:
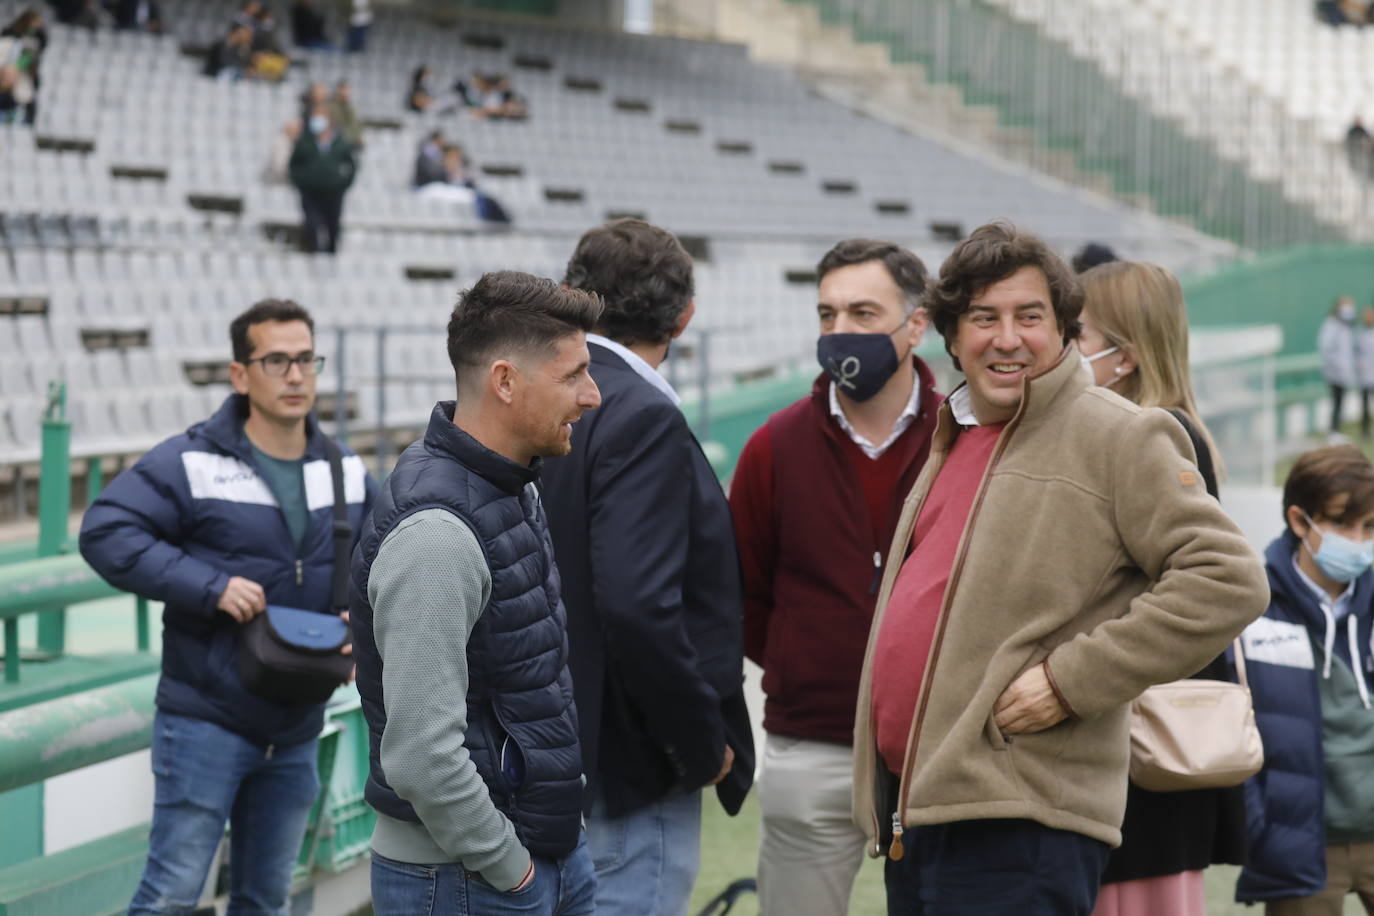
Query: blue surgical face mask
column 318, row 124
column 860, row 364
column 1339, row 558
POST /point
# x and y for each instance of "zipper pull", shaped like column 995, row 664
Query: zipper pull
column 300, row 572
column 877, row 573
column 896, row 852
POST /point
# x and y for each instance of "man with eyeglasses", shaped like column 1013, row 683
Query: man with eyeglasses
column 218, row 522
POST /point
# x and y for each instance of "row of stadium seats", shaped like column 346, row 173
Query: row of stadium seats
column 124, row 288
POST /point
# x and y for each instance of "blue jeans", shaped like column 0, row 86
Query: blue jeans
column 647, row 860
column 203, row 777
column 561, row 887
column 1003, row 867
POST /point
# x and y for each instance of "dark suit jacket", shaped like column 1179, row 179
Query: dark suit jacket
column 646, row 550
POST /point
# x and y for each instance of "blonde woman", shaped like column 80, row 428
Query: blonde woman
column 1135, row 342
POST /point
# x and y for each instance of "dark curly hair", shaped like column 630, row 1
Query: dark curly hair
column 641, row 272
column 992, row 253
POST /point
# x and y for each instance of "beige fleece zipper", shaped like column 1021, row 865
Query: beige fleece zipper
column 896, row 851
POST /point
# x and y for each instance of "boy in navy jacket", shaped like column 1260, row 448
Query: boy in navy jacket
column 1311, row 809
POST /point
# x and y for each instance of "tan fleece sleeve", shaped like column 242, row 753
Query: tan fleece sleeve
column 1208, row 583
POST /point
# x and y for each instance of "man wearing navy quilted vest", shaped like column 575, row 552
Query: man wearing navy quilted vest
column 459, row 631
column 217, row 523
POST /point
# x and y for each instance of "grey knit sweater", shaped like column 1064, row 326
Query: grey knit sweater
column 428, row 585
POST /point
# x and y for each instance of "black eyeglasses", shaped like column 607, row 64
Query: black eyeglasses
column 277, row 364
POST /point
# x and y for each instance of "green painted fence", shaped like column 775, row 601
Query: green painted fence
column 1293, row 288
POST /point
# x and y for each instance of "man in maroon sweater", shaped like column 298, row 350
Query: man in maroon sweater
column 816, row 497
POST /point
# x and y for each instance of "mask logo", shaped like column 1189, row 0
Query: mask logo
column 860, row 364
column 845, row 373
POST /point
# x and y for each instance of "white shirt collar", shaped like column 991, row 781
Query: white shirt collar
column 961, row 406
column 1341, row 606
column 637, row 363
column 913, row 406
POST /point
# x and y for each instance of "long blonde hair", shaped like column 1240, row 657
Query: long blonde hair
column 1139, row 307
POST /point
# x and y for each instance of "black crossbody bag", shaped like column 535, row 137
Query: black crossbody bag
column 292, row 655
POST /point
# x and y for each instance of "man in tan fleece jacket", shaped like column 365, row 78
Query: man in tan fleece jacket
column 1058, row 554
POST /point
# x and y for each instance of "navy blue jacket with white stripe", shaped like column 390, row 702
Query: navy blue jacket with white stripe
column 186, row 517
column 1285, row 801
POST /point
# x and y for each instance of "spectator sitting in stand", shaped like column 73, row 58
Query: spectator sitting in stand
column 265, row 33
column 345, row 116
column 308, row 26
column 489, row 95
column 420, row 97
column 247, row 15
column 429, row 161
column 22, row 43
column 84, row 13
column 232, row 56
column 11, row 96
column 136, row 15
column 456, row 187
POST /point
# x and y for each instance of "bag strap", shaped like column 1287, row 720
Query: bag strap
column 1204, row 454
column 343, row 530
column 1240, row 665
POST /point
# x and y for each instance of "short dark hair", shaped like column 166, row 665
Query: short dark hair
column 259, row 312
column 641, row 272
column 992, row 253
column 507, row 313
column 906, row 270
column 1321, row 475
column 1091, row 255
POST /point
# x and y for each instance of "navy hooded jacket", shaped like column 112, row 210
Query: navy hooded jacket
column 186, row 517
column 1285, row 801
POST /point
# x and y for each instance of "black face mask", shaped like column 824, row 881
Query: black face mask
column 860, row 364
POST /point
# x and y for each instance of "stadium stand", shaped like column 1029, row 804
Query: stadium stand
column 138, row 220
column 1262, row 80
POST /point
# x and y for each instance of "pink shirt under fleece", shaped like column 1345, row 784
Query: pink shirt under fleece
column 908, row 627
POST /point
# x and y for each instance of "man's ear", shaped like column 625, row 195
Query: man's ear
column 1297, row 521
column 238, row 377
column 684, row 319
column 916, row 324
column 503, row 380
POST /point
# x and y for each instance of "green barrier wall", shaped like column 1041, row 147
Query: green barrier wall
column 1293, row 288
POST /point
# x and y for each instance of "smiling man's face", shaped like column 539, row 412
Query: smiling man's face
column 1008, row 334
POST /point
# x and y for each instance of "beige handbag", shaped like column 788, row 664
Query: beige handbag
column 1195, row 734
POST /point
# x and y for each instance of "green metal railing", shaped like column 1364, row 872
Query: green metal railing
column 61, row 712
column 1127, row 102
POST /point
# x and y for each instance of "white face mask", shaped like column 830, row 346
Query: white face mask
column 1089, row 360
column 1347, row 313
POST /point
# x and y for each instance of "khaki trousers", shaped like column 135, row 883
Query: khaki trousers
column 810, row 850
column 1349, row 870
